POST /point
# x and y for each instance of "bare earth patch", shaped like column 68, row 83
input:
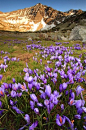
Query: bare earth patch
column 1, row 61
column 25, row 57
column 15, row 47
column 84, row 92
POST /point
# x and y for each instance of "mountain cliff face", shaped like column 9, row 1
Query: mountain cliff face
column 38, row 17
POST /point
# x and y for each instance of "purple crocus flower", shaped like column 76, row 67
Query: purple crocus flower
column 17, row 110
column 40, row 61
column 60, row 120
column 46, row 102
column 71, row 102
column 30, row 79
column 66, row 93
column 1, row 91
column 84, row 109
column 0, row 104
column 54, row 80
column 5, row 85
column 79, row 111
column 72, row 95
column 64, row 86
column 11, row 102
column 48, row 69
column 55, row 101
column 26, row 64
column 70, row 123
column 32, row 104
column 37, row 85
column 58, row 63
column 48, row 90
column 33, row 97
column 33, row 126
column 25, row 70
column 71, row 81
column 30, row 86
column 1, row 111
column 39, row 104
column 84, row 127
column 45, row 81
column 13, row 93
column 60, row 87
column 51, row 105
column 56, row 93
column 79, row 90
column 52, row 97
column 13, row 80
column 36, row 110
column 19, row 94
column 78, row 116
column 1, row 77
column 55, row 75
column 62, row 107
column 43, row 95
column 22, row 128
column 15, row 87
column 78, row 103
column 27, row 118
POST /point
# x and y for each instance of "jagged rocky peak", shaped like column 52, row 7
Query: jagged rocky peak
column 39, row 4
column 33, row 18
column 72, row 12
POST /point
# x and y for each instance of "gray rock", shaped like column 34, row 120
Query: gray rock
column 78, row 33
column 29, row 39
column 64, row 38
column 45, row 36
column 59, row 37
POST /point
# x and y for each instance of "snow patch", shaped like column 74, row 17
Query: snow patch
column 58, row 22
column 71, row 13
column 35, row 26
column 47, row 27
column 43, row 23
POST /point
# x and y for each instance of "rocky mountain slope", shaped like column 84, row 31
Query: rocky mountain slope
column 38, row 17
column 70, row 22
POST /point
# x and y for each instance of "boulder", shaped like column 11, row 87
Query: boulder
column 59, row 37
column 78, row 33
column 29, row 39
column 45, row 36
column 64, row 38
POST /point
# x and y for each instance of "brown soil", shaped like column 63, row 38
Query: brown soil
column 25, row 57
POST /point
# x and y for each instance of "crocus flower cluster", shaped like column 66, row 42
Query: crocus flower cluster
column 56, row 88
column 6, row 58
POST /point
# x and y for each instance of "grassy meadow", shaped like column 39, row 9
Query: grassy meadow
column 43, row 84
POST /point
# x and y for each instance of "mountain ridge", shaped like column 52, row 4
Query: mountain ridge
column 38, row 17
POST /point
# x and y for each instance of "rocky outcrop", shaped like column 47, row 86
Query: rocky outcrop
column 78, row 33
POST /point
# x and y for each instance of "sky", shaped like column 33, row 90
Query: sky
column 60, row 5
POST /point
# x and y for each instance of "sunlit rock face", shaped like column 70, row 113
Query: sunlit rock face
column 34, row 18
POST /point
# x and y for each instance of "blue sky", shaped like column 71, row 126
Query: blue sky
column 60, row 5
